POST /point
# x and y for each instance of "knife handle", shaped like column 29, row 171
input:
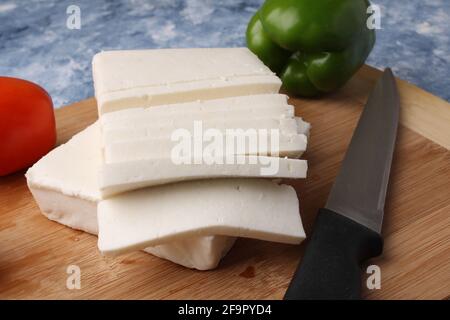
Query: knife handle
column 330, row 268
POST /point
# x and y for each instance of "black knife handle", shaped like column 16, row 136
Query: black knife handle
column 330, row 268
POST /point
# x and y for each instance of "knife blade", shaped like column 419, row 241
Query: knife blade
column 347, row 231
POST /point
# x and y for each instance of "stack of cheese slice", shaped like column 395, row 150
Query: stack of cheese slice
column 138, row 146
column 113, row 177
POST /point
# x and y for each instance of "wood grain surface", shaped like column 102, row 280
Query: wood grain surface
column 35, row 252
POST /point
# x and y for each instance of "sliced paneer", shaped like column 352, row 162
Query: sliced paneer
column 181, row 120
column 126, row 139
column 256, row 208
column 162, row 129
column 138, row 155
column 137, row 78
column 119, row 177
column 247, row 112
column 258, row 106
column 291, row 146
column 65, row 186
column 127, row 145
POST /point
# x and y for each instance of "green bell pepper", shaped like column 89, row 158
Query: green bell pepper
column 315, row 46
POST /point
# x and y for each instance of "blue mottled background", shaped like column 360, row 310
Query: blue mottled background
column 35, row 43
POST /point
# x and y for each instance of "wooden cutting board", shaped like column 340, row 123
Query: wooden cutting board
column 35, row 252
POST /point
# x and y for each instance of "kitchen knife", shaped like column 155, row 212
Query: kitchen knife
column 347, row 231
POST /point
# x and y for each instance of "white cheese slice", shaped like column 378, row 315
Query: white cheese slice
column 65, row 186
column 136, row 78
column 119, row 177
column 243, row 208
column 286, row 127
column 147, row 159
column 151, row 148
column 252, row 106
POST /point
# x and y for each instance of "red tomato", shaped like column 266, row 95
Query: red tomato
column 27, row 124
